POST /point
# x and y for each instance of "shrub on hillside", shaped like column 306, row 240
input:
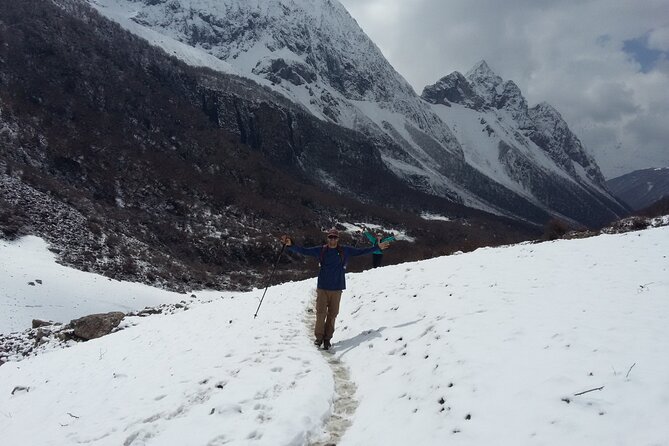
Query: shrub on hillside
column 12, row 220
column 627, row 225
column 657, row 209
column 555, row 229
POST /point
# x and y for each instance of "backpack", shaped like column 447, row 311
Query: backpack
column 340, row 251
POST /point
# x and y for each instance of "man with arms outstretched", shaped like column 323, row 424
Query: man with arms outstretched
column 331, row 280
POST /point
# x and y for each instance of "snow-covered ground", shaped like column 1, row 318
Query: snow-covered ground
column 489, row 347
column 34, row 286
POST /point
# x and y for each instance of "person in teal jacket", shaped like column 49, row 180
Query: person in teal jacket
column 376, row 239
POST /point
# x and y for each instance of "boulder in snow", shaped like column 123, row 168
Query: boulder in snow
column 37, row 323
column 96, row 325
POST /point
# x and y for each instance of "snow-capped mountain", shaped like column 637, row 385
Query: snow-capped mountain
column 314, row 53
column 641, row 188
column 530, row 150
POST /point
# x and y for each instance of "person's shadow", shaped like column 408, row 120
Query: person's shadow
column 347, row 345
column 351, row 343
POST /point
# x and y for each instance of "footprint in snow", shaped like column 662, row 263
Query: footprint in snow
column 254, row 435
column 303, row 373
column 263, row 418
column 140, row 435
column 227, row 409
column 219, row 441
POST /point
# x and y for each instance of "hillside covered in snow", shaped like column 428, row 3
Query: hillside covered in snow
column 553, row 343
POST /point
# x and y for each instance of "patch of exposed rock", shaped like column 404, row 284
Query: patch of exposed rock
column 96, row 325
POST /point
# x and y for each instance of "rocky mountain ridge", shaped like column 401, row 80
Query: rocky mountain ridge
column 641, row 188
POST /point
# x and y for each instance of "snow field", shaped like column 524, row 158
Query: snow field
column 64, row 293
column 488, row 347
column 208, row 376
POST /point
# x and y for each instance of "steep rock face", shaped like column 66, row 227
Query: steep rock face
column 306, row 30
column 453, row 88
column 498, row 94
column 552, row 134
column 277, row 42
column 641, row 188
column 512, row 101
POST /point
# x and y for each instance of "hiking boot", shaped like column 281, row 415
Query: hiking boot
column 318, row 342
column 326, row 345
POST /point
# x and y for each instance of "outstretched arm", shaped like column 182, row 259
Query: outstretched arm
column 352, row 252
column 313, row 252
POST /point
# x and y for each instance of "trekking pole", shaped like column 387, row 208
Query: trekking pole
column 283, row 246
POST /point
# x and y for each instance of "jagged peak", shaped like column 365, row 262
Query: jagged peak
column 481, row 69
column 511, row 85
column 485, row 82
column 449, row 79
column 481, row 66
column 543, row 105
column 453, row 88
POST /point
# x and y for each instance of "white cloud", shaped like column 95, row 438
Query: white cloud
column 609, row 101
column 567, row 52
column 658, row 39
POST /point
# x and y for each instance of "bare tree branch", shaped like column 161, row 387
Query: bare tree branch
column 20, row 389
column 586, row 391
column 628, row 372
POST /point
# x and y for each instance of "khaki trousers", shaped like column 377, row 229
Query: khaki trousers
column 327, row 308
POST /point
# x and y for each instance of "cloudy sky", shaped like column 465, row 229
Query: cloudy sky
column 604, row 64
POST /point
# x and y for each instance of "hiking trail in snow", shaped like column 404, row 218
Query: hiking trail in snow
column 345, row 403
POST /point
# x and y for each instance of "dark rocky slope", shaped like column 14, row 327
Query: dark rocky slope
column 641, row 188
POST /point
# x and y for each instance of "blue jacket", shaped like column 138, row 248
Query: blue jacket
column 333, row 266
